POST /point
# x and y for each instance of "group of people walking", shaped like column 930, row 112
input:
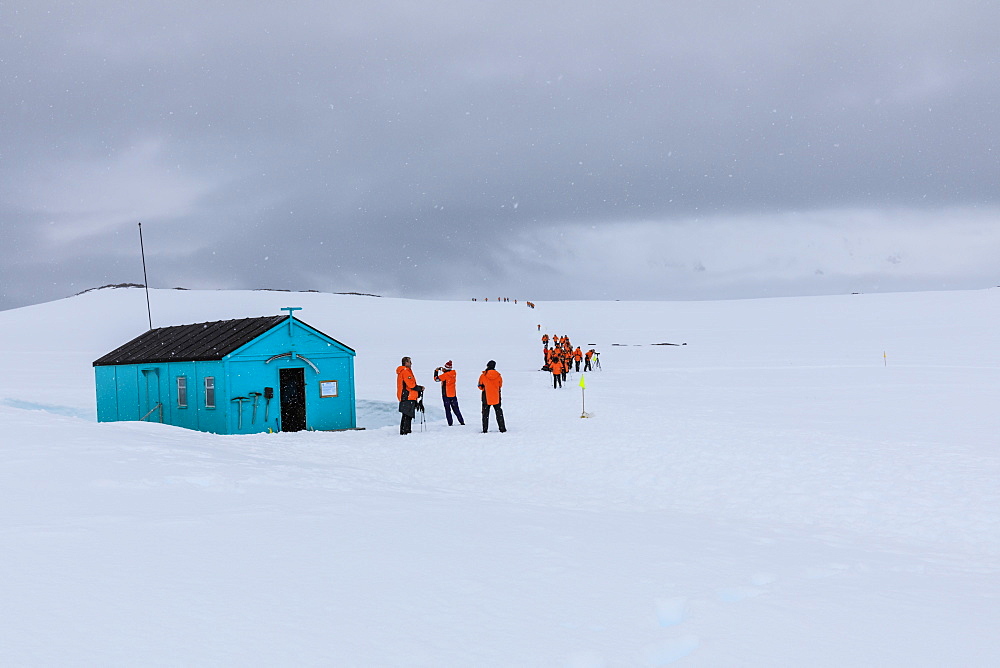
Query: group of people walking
column 562, row 357
column 506, row 299
column 410, row 394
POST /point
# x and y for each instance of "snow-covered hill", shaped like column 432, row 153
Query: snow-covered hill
column 809, row 481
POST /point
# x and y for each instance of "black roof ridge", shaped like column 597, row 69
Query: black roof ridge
column 213, row 322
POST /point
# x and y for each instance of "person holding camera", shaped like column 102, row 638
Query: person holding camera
column 408, row 393
column 447, row 376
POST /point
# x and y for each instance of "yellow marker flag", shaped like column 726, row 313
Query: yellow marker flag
column 582, row 384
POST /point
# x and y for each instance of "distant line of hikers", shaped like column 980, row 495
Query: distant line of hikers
column 507, row 299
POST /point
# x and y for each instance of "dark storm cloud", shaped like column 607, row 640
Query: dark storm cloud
column 444, row 149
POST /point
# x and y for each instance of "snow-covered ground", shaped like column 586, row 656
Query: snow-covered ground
column 808, row 482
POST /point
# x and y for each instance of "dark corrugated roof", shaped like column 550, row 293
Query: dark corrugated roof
column 189, row 343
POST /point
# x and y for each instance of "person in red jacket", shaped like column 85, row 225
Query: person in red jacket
column 490, row 382
column 408, row 393
column 447, row 376
column 555, row 365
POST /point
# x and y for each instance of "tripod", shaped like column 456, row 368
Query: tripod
column 423, row 413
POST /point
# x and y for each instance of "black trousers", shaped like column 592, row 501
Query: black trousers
column 407, row 411
column 556, row 380
column 486, row 416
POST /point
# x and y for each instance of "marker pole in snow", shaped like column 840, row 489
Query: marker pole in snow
column 583, row 396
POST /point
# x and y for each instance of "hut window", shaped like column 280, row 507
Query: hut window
column 182, row 392
column 209, row 391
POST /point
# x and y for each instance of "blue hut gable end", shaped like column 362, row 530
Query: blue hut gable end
column 242, row 376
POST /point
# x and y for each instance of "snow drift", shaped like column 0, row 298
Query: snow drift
column 810, row 481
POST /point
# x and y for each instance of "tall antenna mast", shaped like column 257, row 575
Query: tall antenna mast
column 145, row 281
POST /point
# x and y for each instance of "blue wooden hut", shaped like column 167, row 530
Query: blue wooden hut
column 231, row 377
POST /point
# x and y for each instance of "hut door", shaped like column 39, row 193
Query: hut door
column 152, row 411
column 292, row 389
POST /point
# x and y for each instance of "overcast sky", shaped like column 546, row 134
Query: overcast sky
column 537, row 150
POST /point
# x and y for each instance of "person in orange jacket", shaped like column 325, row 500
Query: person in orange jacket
column 447, row 376
column 556, row 366
column 490, row 382
column 586, row 359
column 577, row 358
column 408, row 393
column 545, row 340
